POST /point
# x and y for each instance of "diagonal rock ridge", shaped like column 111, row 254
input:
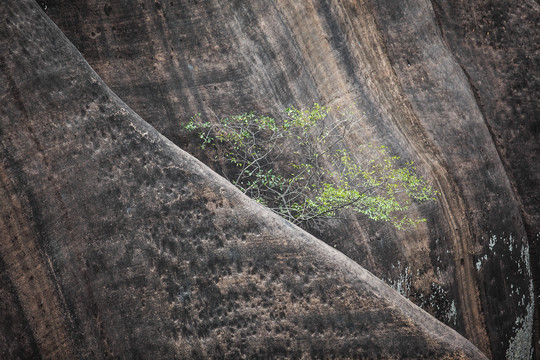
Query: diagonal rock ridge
column 116, row 243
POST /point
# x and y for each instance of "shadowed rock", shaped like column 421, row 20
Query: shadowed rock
column 116, row 243
column 498, row 49
column 441, row 84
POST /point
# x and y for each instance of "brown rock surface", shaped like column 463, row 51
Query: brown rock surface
column 496, row 43
column 116, row 243
column 452, row 86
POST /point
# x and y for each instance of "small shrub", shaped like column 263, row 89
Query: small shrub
column 319, row 180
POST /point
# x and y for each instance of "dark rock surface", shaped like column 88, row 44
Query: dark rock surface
column 452, row 86
column 116, row 243
column 496, row 42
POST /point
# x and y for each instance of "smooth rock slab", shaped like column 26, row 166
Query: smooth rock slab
column 114, row 242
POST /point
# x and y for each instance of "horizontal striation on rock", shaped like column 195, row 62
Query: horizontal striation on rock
column 116, row 243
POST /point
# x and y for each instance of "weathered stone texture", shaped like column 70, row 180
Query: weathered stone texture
column 452, row 86
column 116, row 243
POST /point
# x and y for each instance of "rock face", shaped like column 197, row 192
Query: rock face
column 116, row 243
column 452, row 86
column 131, row 246
column 498, row 50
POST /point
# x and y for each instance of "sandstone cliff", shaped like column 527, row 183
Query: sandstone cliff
column 453, row 87
column 116, row 242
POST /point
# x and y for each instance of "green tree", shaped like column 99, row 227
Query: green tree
column 320, row 179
